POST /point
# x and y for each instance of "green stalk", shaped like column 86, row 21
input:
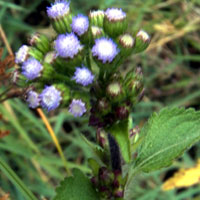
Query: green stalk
column 16, row 181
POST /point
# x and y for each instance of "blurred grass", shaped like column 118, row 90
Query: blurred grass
column 171, row 68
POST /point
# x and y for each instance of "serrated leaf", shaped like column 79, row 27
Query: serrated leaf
column 121, row 134
column 76, row 188
column 166, row 136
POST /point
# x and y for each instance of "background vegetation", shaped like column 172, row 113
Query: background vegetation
column 171, row 67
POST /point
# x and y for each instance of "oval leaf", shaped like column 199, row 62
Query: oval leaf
column 166, row 136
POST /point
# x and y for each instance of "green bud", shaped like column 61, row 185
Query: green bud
column 115, row 27
column 126, row 43
column 115, row 91
column 96, row 18
column 97, row 32
column 47, row 72
column 41, row 42
column 50, row 57
column 35, row 53
column 134, row 84
column 142, row 41
column 62, row 24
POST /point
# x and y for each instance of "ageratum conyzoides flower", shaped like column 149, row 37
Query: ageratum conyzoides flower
column 83, row 76
column 77, row 107
column 31, row 68
column 50, row 98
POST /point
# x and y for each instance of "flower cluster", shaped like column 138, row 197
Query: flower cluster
column 61, row 72
column 79, row 69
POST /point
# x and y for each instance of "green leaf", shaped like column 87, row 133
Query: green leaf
column 166, row 136
column 121, row 133
column 16, row 181
column 76, row 188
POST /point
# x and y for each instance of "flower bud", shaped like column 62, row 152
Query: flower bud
column 97, row 32
column 96, row 18
column 134, row 84
column 115, row 91
column 41, row 42
column 25, row 52
column 50, row 57
column 126, row 43
column 115, row 22
column 22, row 54
column 60, row 16
column 102, row 138
column 47, row 72
column 142, row 41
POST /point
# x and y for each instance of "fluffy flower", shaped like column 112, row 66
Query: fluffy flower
column 80, row 24
column 31, row 68
column 67, row 45
column 83, row 76
column 21, row 54
column 33, row 99
column 77, row 108
column 50, row 98
column 58, row 9
column 115, row 14
column 105, row 49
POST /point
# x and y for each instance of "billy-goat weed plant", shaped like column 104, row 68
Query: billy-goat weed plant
column 79, row 69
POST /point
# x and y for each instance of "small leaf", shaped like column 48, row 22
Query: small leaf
column 76, row 188
column 121, row 134
column 183, row 178
column 166, row 136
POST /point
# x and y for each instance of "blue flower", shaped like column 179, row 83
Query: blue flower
column 31, row 68
column 105, row 49
column 67, row 45
column 59, row 9
column 21, row 54
column 115, row 14
column 33, row 99
column 80, row 24
column 83, row 76
column 77, row 108
column 50, row 98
